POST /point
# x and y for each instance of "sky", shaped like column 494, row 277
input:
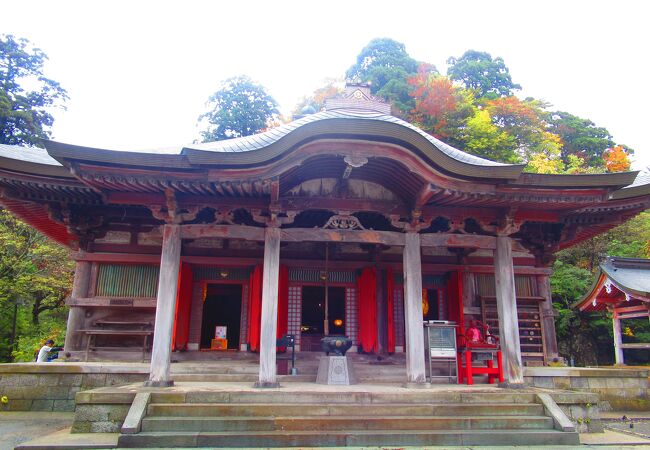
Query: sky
column 138, row 73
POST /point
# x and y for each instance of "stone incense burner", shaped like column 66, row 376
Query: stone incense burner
column 336, row 345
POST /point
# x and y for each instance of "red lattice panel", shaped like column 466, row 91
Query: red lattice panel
column 295, row 311
column 398, row 311
column 196, row 313
column 351, row 320
column 243, row 329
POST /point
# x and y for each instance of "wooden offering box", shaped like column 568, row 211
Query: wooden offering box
column 219, row 344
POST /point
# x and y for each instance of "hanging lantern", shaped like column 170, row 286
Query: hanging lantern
column 338, row 322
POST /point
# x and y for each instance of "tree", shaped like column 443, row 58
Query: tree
column 580, row 137
column 490, row 78
column 483, row 138
column 617, row 159
column 35, row 278
column 524, row 121
column 386, row 65
column 24, row 112
column 239, row 108
column 316, row 101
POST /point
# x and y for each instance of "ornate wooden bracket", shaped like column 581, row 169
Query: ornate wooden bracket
column 508, row 225
column 225, row 217
column 416, row 224
column 172, row 213
column 275, row 218
column 344, row 221
column 85, row 227
column 461, row 253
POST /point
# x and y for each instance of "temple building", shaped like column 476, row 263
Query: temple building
column 348, row 221
column 622, row 287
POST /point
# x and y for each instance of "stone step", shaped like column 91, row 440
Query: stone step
column 345, row 423
column 231, row 377
column 323, row 409
column 199, row 395
column 153, row 439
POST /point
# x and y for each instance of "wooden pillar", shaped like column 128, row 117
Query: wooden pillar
column 469, row 292
column 548, row 317
column 268, row 331
column 159, row 374
column 507, row 311
column 618, row 350
column 76, row 316
column 413, row 310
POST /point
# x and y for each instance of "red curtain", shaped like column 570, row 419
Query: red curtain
column 254, row 308
column 390, row 300
column 283, row 301
column 367, row 291
column 181, row 333
column 455, row 300
column 255, row 305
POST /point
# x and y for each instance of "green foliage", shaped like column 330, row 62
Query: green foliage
column 239, row 108
column 24, row 114
column 387, row 66
column 28, row 344
column 36, row 276
column 585, row 338
column 482, row 138
column 489, row 77
column 580, row 137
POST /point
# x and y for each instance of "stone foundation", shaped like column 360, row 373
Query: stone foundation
column 53, row 386
column 619, row 389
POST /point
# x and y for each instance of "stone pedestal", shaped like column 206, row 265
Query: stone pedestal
column 335, row 370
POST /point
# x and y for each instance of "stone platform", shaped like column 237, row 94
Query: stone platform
column 307, row 415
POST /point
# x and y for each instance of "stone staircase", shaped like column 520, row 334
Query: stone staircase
column 303, row 418
column 367, row 369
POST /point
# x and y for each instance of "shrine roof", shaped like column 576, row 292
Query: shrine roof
column 31, row 160
column 629, row 276
column 263, row 148
column 336, row 124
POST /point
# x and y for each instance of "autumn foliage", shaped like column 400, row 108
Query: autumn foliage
column 435, row 99
column 617, row 159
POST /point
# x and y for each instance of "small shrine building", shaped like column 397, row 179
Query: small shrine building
column 347, row 221
column 622, row 287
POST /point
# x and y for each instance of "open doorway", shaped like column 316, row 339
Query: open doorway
column 312, row 325
column 430, row 304
column 222, row 307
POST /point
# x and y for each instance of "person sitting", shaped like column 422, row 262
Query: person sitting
column 44, row 352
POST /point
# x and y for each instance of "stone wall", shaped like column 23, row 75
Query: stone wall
column 619, row 389
column 53, row 386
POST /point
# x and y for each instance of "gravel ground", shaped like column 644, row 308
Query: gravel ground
column 18, row 427
column 638, row 427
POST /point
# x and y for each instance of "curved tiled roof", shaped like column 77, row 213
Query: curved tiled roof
column 27, row 154
column 259, row 141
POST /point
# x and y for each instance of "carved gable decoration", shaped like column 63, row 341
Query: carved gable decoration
column 344, row 222
column 357, row 96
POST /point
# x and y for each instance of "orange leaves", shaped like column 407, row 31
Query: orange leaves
column 511, row 112
column 617, row 159
column 435, row 99
column 434, row 95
